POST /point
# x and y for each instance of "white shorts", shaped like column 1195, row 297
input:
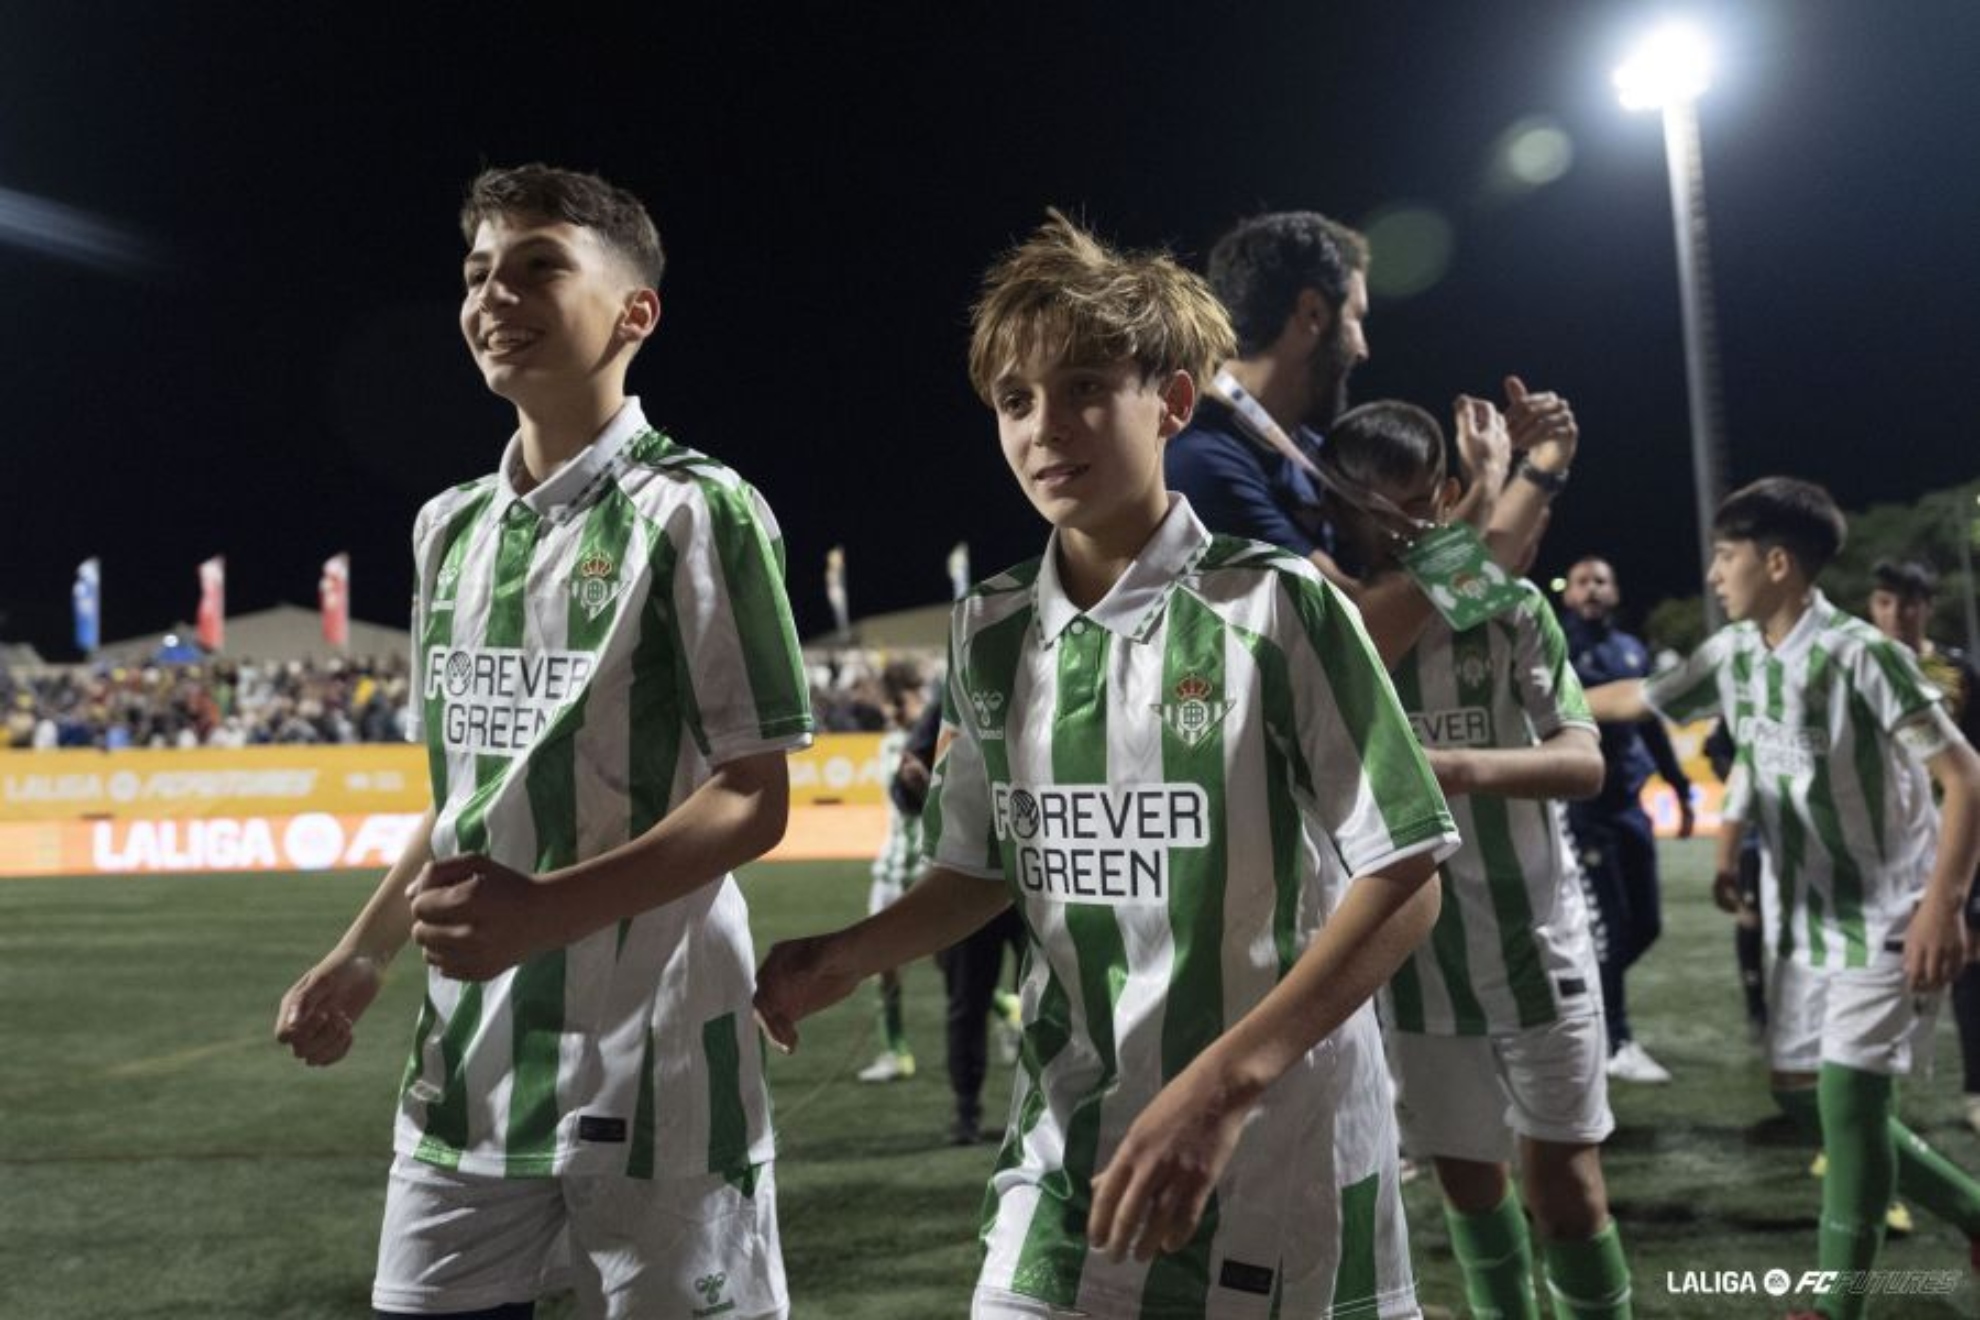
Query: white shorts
column 629, row 1246
column 1464, row 1097
column 1861, row 1017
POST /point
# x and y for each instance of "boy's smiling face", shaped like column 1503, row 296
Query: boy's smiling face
column 547, row 303
column 1085, row 442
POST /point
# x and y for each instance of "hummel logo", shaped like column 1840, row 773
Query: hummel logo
column 987, row 704
column 710, row 1287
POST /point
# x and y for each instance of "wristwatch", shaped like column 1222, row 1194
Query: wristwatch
column 1551, row 482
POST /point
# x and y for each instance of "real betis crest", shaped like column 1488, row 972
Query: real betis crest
column 1194, row 713
column 594, row 588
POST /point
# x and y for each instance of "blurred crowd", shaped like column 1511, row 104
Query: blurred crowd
column 251, row 703
column 218, row 704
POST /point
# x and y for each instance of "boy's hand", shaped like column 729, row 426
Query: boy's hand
column 316, row 1015
column 476, row 918
column 1542, row 426
column 1934, row 947
column 1151, row 1195
column 1725, row 891
column 795, row 981
column 1483, row 441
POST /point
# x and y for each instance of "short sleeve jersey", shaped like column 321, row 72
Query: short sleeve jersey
column 899, row 858
column 1156, row 779
column 1844, row 810
column 1511, row 948
column 587, row 653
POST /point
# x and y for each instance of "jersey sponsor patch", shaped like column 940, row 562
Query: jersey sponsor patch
column 1780, row 750
column 1927, row 736
column 1240, row 1277
column 1098, row 843
column 499, row 699
column 1463, row 726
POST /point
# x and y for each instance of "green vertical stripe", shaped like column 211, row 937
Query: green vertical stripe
column 1284, row 772
column 1193, row 1009
column 1406, row 986
column 1356, row 1278
column 438, row 632
column 753, row 574
column 508, row 613
column 1453, row 962
column 639, row 1153
column 1054, row 1252
column 728, row 1122
column 1866, row 746
column 653, row 711
column 1845, row 881
column 536, row 1008
column 446, row 1132
column 1472, row 653
column 1390, row 760
column 1178, row 1282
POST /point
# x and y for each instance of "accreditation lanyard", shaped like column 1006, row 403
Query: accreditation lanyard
column 1261, row 424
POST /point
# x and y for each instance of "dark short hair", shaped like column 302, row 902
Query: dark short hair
column 1798, row 516
column 1258, row 269
column 1388, row 442
column 1908, row 579
column 545, row 192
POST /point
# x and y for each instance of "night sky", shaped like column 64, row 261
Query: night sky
column 240, row 338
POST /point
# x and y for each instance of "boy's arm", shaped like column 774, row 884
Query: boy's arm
column 1544, row 437
column 1658, row 743
column 1567, row 764
column 1725, row 864
column 802, row 977
column 1151, row 1195
column 1620, row 702
column 1935, row 942
column 475, row 917
column 316, row 1016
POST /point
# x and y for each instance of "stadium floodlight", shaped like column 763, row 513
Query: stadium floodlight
column 1669, row 72
column 1673, row 64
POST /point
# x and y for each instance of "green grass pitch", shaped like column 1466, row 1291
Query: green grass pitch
column 164, row 1158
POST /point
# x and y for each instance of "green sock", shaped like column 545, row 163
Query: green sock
column 1934, row 1181
column 1493, row 1249
column 1856, row 1125
column 892, row 1029
column 1589, row 1279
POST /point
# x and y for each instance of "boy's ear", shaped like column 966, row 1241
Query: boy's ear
column 1778, row 563
column 1178, row 402
column 640, row 316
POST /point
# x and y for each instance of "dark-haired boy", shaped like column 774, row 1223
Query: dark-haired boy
column 1837, row 731
column 1151, row 737
column 1495, row 1023
column 609, row 684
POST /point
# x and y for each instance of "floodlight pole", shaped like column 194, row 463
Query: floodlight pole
column 1681, row 154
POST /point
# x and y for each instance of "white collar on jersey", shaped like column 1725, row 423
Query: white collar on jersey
column 1802, row 635
column 1132, row 606
column 579, row 479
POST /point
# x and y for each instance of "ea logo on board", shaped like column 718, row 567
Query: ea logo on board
column 460, row 672
column 1776, row 1283
column 1024, row 814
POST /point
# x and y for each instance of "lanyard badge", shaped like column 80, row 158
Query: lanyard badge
column 1455, row 570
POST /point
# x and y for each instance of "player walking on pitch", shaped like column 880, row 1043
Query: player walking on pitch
column 610, row 682
column 1151, row 736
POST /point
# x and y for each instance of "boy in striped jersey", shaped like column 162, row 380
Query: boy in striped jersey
column 1500, row 1012
column 610, row 682
column 1151, row 736
column 1836, row 732
column 897, row 862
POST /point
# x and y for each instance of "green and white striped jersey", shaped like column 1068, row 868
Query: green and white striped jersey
column 1843, row 808
column 585, row 654
column 899, row 858
column 1157, row 780
column 1511, row 947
